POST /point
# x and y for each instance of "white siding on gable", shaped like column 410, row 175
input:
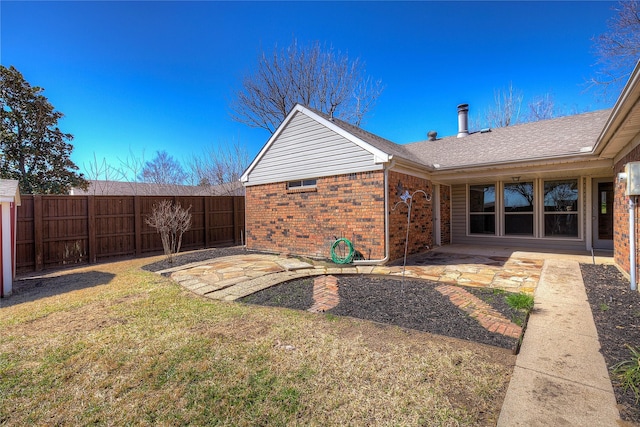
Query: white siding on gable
column 307, row 149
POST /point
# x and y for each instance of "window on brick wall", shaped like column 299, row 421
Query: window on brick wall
column 302, row 185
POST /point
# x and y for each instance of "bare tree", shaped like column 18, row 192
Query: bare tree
column 163, row 169
column 618, row 49
column 315, row 76
column 171, row 221
column 506, row 108
column 100, row 176
column 220, row 166
column 541, row 108
column 131, row 167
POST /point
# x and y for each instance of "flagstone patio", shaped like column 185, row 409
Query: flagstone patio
column 233, row 277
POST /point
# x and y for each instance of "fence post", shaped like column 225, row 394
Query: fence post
column 37, row 232
column 91, row 229
column 207, row 221
column 237, row 219
column 137, row 224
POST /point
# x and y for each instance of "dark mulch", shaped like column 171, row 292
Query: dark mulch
column 296, row 294
column 616, row 312
column 379, row 299
column 416, row 305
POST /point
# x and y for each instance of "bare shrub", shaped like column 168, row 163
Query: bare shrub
column 171, row 221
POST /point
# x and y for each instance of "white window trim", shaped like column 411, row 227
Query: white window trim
column 302, row 185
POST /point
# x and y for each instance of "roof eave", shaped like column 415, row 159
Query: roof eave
column 510, row 163
column 606, row 144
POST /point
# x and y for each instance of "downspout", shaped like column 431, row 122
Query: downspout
column 632, row 242
column 386, row 223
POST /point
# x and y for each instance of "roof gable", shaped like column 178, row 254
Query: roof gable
column 304, row 132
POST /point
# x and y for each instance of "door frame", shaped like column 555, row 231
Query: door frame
column 435, row 214
column 596, row 243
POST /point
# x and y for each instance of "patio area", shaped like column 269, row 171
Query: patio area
column 232, row 277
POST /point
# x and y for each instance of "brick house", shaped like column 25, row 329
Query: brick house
column 547, row 185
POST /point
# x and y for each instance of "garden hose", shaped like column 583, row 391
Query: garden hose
column 342, row 259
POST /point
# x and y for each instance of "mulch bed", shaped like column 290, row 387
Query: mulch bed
column 419, row 306
column 414, row 305
column 616, row 312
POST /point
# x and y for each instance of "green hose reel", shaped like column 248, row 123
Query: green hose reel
column 343, row 245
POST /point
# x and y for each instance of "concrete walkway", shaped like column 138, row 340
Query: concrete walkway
column 560, row 377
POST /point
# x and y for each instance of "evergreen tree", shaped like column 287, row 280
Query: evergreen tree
column 33, row 149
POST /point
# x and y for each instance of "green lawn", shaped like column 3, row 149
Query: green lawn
column 113, row 345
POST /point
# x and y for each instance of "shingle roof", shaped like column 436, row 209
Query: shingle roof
column 543, row 139
column 119, row 188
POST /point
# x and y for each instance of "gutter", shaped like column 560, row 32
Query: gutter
column 534, row 161
column 386, row 222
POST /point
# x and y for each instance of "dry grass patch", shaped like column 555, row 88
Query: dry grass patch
column 127, row 346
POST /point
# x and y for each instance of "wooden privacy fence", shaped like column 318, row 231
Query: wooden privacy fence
column 58, row 231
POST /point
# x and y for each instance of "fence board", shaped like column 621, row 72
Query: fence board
column 58, row 231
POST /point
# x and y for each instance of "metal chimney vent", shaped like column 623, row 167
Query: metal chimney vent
column 463, row 120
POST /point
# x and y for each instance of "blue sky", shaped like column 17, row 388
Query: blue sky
column 133, row 78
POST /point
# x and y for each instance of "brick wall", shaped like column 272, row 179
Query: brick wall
column 421, row 230
column 351, row 206
column 621, row 215
column 305, row 223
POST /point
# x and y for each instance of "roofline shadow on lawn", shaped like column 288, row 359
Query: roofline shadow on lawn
column 33, row 288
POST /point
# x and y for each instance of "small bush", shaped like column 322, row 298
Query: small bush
column 171, row 221
column 520, row 301
column 628, row 372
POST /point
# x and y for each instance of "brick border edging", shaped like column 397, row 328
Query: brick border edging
column 487, row 316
